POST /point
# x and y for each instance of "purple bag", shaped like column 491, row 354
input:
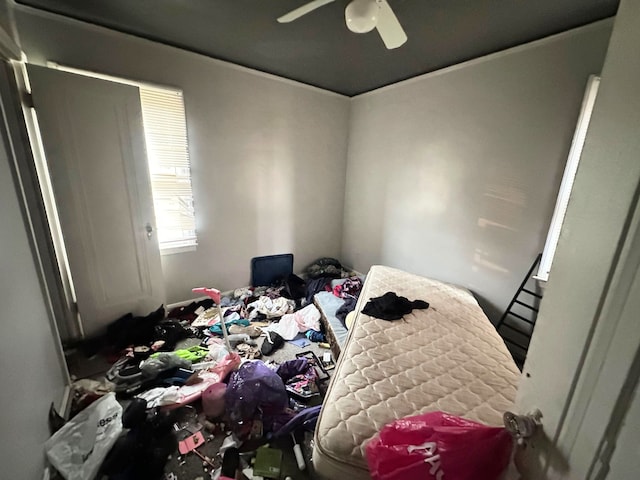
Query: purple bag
column 253, row 389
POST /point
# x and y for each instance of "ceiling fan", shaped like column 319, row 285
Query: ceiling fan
column 361, row 16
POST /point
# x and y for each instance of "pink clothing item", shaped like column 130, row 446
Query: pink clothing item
column 350, row 288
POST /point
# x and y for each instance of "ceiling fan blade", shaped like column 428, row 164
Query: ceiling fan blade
column 389, row 27
column 303, row 10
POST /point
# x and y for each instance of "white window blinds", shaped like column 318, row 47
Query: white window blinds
column 166, row 137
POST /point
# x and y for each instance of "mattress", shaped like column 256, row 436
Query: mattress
column 448, row 357
column 329, row 304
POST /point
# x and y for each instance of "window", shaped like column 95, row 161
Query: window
column 568, row 177
column 167, row 149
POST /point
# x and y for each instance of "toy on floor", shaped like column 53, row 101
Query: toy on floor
column 214, row 294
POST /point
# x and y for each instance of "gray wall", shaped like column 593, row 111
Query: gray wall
column 454, row 175
column 31, row 374
column 268, row 156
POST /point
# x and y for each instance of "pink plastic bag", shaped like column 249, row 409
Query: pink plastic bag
column 438, row 446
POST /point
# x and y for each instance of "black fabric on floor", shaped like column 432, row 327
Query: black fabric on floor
column 294, row 287
column 130, row 330
column 392, row 307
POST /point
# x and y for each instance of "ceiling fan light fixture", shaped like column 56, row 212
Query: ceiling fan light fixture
column 361, row 16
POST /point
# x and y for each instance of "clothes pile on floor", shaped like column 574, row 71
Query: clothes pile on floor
column 166, row 364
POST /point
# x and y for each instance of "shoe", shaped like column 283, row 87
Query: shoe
column 272, row 342
column 251, row 330
column 126, row 375
column 248, row 351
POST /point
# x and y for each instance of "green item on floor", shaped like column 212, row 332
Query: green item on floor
column 193, row 354
column 218, row 329
column 268, row 462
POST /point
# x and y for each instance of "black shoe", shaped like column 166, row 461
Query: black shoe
column 271, row 343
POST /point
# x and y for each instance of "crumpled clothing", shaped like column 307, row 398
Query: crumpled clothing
column 391, row 306
column 259, row 291
column 207, row 318
column 210, row 316
column 192, row 354
column 271, row 307
column 306, row 419
column 326, row 267
column 86, row 385
column 349, row 305
column 315, row 336
column 317, row 285
column 290, row 368
column 217, row 349
column 237, row 308
column 217, row 328
column 242, row 293
column 86, row 391
column 350, row 288
column 291, row 324
column 274, row 292
column 160, row 396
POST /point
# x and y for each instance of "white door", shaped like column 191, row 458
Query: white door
column 584, row 360
column 94, row 145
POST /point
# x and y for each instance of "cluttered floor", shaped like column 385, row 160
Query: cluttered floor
column 196, row 404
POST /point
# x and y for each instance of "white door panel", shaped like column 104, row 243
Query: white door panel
column 583, row 362
column 94, row 144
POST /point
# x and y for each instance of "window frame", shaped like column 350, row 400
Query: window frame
column 568, row 177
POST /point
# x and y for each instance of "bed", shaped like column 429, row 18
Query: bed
column 328, row 305
column 448, row 357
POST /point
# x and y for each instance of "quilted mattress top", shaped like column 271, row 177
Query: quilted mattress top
column 448, row 357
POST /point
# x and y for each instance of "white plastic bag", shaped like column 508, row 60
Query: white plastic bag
column 79, row 447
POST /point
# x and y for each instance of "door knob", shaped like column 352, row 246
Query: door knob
column 149, row 230
column 522, row 426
